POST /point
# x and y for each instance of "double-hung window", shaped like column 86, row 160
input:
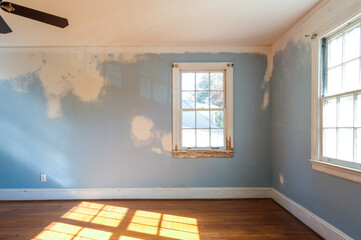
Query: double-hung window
column 340, row 103
column 202, row 110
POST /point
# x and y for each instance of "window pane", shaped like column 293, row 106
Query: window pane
column 334, row 80
column 202, row 81
column 202, row 119
column 202, row 99
column 329, row 143
column 188, row 119
column 217, row 99
column 329, row 113
column 188, row 81
column 188, row 138
column 335, row 51
column 358, row 111
column 202, row 137
column 351, row 75
column 351, row 44
column 217, row 81
column 217, row 119
column 188, row 100
column 217, row 138
column 358, row 146
column 345, row 112
column 345, row 144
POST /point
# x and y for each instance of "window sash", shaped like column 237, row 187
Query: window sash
column 200, row 67
column 210, row 128
column 345, row 163
column 354, row 92
column 325, row 68
column 224, row 109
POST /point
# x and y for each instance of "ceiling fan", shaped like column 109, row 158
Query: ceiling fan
column 29, row 13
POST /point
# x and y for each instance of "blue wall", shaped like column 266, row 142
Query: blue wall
column 91, row 146
column 335, row 200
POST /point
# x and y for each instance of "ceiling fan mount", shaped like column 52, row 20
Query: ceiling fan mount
column 29, row 13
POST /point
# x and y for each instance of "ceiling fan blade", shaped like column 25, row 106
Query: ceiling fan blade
column 4, row 28
column 34, row 14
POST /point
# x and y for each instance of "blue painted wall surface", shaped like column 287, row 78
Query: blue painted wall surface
column 90, row 144
column 335, row 200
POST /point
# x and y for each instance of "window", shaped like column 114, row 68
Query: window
column 341, row 97
column 339, row 102
column 202, row 110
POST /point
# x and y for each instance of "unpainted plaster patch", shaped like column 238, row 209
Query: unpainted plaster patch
column 266, row 82
column 60, row 73
column 282, row 180
column 167, row 142
column 79, row 74
column 80, row 70
column 157, row 150
column 141, row 130
column 265, row 100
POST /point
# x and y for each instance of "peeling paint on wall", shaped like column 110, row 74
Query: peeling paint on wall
column 82, row 71
column 99, row 137
column 79, row 74
column 59, row 73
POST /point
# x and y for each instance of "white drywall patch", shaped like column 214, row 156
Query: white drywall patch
column 15, row 64
column 60, row 71
column 53, row 106
column 266, row 82
column 80, row 71
column 79, row 74
column 167, row 142
column 141, row 130
column 157, row 150
column 265, row 100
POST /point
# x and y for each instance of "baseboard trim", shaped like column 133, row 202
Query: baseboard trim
column 319, row 225
column 132, row 193
column 316, row 223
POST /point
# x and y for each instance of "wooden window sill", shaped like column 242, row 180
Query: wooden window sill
column 203, row 154
column 350, row 174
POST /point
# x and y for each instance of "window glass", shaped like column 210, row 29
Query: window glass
column 341, row 103
column 203, row 106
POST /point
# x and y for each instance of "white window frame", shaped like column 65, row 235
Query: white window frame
column 227, row 151
column 342, row 169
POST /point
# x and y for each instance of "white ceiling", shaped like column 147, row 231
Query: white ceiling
column 156, row 22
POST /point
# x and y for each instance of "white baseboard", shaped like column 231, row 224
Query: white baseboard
column 320, row 226
column 133, row 193
column 316, row 223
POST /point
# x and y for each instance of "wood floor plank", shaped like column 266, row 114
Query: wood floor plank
column 150, row 219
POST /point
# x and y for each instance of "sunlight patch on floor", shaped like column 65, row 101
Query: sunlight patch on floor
column 64, row 231
column 129, row 238
column 97, row 213
column 150, row 224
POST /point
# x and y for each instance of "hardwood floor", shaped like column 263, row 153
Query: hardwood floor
column 150, row 219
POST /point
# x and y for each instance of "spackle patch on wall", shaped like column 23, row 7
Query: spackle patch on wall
column 60, row 71
column 141, row 127
column 144, row 133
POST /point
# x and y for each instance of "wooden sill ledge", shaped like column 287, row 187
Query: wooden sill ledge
column 203, row 154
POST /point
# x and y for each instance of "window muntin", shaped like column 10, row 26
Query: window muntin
column 341, row 97
column 202, row 109
column 202, row 100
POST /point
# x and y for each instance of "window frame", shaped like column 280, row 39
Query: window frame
column 227, row 150
column 344, row 169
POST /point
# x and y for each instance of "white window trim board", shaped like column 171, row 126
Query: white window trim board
column 228, row 130
column 319, row 164
column 347, row 173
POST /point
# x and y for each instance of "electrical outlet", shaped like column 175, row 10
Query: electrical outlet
column 43, row 177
